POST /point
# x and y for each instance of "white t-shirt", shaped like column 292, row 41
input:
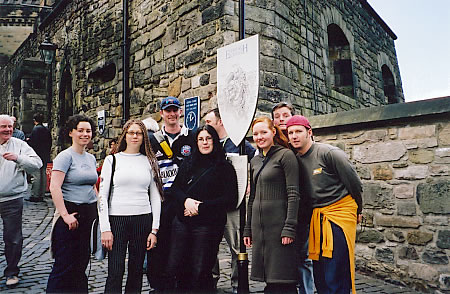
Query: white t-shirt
column 133, row 181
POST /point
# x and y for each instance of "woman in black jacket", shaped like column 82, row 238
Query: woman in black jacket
column 204, row 189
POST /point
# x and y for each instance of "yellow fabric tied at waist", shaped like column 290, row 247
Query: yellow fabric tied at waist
column 343, row 214
column 165, row 147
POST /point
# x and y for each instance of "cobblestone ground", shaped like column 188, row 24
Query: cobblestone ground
column 36, row 262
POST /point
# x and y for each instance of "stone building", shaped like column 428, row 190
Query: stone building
column 16, row 23
column 323, row 56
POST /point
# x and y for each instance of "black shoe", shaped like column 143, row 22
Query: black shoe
column 36, row 199
column 234, row 290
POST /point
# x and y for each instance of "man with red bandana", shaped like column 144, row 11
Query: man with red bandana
column 328, row 178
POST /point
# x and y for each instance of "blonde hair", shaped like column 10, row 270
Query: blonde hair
column 279, row 137
column 145, row 149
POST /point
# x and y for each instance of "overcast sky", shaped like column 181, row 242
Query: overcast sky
column 423, row 44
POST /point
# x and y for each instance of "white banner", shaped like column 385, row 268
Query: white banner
column 237, row 86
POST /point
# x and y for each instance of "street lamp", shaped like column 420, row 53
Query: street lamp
column 47, row 50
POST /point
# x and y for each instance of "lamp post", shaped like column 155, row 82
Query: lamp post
column 48, row 50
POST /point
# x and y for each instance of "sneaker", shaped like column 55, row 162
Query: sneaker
column 12, row 281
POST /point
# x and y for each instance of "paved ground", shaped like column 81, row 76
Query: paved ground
column 36, row 262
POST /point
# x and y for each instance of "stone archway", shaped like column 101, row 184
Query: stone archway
column 388, row 80
column 389, row 85
column 332, row 18
column 66, row 107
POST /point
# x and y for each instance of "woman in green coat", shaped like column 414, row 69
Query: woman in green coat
column 272, row 210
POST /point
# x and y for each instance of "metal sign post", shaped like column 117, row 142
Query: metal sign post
column 237, row 96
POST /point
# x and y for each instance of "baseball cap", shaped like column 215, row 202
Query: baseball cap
column 298, row 120
column 170, row 101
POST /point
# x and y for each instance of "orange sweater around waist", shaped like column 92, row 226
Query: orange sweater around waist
column 343, row 214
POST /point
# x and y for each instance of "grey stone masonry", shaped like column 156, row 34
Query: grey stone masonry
column 323, row 56
column 402, row 154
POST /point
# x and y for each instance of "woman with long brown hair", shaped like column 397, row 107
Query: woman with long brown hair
column 129, row 214
column 272, row 209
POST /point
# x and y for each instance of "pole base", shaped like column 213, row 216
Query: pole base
column 243, row 287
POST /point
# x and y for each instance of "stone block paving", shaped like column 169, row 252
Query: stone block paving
column 36, row 262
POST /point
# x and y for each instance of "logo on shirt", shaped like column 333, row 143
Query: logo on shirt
column 186, row 150
column 158, row 154
column 85, row 166
column 317, row 171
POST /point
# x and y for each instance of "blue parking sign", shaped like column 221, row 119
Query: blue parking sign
column 192, row 112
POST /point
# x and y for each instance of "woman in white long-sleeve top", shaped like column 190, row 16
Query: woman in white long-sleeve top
column 130, row 218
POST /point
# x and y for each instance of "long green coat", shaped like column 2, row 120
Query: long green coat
column 272, row 214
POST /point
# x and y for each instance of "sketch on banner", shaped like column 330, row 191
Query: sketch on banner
column 237, row 85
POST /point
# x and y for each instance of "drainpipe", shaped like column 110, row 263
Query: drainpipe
column 125, row 66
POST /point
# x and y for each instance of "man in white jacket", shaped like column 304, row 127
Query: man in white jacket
column 16, row 159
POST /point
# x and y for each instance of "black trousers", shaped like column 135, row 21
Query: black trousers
column 193, row 253
column 71, row 251
column 128, row 232
column 275, row 288
column 157, row 257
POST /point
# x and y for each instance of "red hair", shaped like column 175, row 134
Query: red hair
column 279, row 137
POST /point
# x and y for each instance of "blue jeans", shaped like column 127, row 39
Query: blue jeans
column 332, row 275
column 305, row 265
column 11, row 213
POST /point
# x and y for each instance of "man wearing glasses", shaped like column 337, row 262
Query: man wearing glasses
column 172, row 144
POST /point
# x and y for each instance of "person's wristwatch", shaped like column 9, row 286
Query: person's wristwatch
column 154, row 232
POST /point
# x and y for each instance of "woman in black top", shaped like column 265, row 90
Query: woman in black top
column 204, row 189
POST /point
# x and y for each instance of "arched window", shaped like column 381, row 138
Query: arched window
column 340, row 61
column 390, row 91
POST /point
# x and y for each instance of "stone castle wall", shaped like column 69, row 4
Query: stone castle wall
column 402, row 154
column 173, row 48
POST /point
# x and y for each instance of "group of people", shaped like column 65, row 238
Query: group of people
column 304, row 204
column 166, row 194
column 172, row 195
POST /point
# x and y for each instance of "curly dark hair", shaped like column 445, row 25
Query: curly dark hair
column 74, row 120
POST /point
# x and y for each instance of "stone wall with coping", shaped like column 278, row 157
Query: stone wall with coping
column 402, row 154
